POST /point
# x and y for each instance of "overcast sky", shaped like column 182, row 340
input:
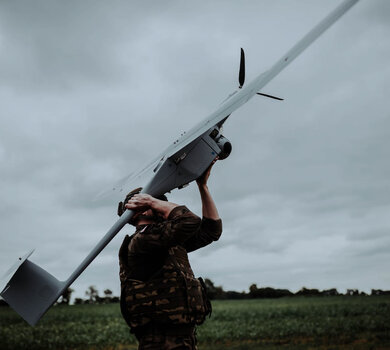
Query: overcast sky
column 91, row 90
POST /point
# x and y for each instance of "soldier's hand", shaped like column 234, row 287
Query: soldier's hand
column 121, row 205
column 140, row 202
column 202, row 180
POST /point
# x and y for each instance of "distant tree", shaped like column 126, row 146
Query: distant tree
column 268, row 292
column 92, row 293
column 78, row 301
column 280, row 293
column 253, row 290
column 210, row 288
column 107, row 295
column 352, row 292
column 308, row 292
column 99, row 300
column 231, row 294
column 214, row 292
column 380, row 292
column 330, row 292
column 66, row 295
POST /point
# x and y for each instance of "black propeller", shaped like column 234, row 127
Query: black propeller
column 270, row 96
column 241, row 77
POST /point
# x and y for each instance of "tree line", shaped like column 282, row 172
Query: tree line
column 215, row 293
column 93, row 297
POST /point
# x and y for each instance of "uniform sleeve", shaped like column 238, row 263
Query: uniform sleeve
column 210, row 231
column 180, row 226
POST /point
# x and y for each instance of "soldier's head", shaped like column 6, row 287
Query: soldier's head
column 141, row 217
column 148, row 216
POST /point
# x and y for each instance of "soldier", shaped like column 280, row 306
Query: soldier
column 161, row 300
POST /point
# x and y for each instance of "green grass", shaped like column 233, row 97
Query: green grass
column 301, row 323
column 289, row 323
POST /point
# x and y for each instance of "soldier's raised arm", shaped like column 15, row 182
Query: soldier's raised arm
column 211, row 226
column 209, row 209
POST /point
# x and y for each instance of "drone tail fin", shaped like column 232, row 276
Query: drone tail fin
column 31, row 291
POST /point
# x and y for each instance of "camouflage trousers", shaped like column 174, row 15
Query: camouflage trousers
column 163, row 341
column 167, row 342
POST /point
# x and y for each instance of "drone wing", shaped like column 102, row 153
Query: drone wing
column 244, row 94
column 125, row 184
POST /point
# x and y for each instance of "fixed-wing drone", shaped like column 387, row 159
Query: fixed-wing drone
column 31, row 290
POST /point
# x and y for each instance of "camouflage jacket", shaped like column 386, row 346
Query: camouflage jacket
column 156, row 277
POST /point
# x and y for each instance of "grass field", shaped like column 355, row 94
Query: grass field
column 289, row 323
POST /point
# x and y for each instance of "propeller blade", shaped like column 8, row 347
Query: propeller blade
column 241, row 76
column 270, row 96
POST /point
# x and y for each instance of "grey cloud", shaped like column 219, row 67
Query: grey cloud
column 62, row 45
column 375, row 234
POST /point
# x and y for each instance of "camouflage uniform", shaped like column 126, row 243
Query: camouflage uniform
column 161, row 300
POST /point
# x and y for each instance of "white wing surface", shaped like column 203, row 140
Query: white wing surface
column 243, row 95
column 124, row 185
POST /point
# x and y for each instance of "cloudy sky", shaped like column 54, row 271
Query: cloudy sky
column 91, row 90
